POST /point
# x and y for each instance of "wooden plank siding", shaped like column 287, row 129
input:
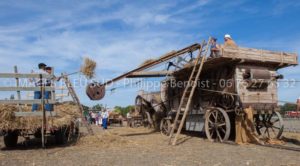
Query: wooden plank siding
column 47, row 88
column 22, row 75
column 26, row 114
column 260, row 55
column 35, row 101
column 269, row 95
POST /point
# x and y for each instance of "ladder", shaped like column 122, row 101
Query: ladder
column 77, row 102
column 186, row 99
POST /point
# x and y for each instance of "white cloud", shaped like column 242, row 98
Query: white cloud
column 52, row 37
column 61, row 34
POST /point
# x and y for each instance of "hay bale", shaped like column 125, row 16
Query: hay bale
column 10, row 122
column 88, row 68
column 7, row 117
column 67, row 109
column 66, row 114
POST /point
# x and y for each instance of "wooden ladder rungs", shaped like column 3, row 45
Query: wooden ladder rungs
column 182, row 109
column 186, row 99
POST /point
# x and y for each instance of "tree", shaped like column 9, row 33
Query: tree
column 98, row 107
column 85, row 110
column 287, row 107
column 123, row 110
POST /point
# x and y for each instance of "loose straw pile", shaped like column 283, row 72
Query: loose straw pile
column 163, row 56
column 88, row 68
column 147, row 62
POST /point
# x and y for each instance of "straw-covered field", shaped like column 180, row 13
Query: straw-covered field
column 140, row 146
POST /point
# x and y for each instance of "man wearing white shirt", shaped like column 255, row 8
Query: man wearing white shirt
column 104, row 119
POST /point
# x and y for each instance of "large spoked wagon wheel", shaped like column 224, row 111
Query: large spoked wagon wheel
column 11, row 138
column 269, row 125
column 217, row 125
column 165, row 127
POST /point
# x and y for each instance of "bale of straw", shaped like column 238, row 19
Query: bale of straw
column 10, row 122
column 88, row 68
column 66, row 114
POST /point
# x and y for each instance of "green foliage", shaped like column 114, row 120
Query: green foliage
column 98, row 107
column 288, row 107
column 85, row 110
column 123, row 110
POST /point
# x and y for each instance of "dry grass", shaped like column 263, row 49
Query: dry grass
column 88, row 68
column 66, row 113
column 167, row 54
column 152, row 60
column 147, row 62
column 106, row 139
column 10, row 122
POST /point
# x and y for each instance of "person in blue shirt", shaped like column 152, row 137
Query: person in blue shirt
column 214, row 48
column 38, row 83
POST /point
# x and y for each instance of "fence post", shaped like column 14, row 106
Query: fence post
column 43, row 110
column 18, row 84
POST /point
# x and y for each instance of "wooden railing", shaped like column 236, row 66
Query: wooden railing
column 19, row 89
column 260, row 55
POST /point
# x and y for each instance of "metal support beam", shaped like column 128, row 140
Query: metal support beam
column 160, row 60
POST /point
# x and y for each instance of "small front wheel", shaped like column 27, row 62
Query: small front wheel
column 11, row 138
column 61, row 136
column 165, row 127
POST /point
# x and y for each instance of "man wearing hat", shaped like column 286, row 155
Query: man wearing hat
column 214, row 48
column 49, row 82
column 228, row 41
column 38, row 82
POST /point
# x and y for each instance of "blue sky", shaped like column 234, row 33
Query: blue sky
column 120, row 35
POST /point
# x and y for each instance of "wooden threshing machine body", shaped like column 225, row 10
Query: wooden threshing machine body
column 239, row 78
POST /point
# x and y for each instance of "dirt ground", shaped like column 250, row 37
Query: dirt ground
column 140, row 146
